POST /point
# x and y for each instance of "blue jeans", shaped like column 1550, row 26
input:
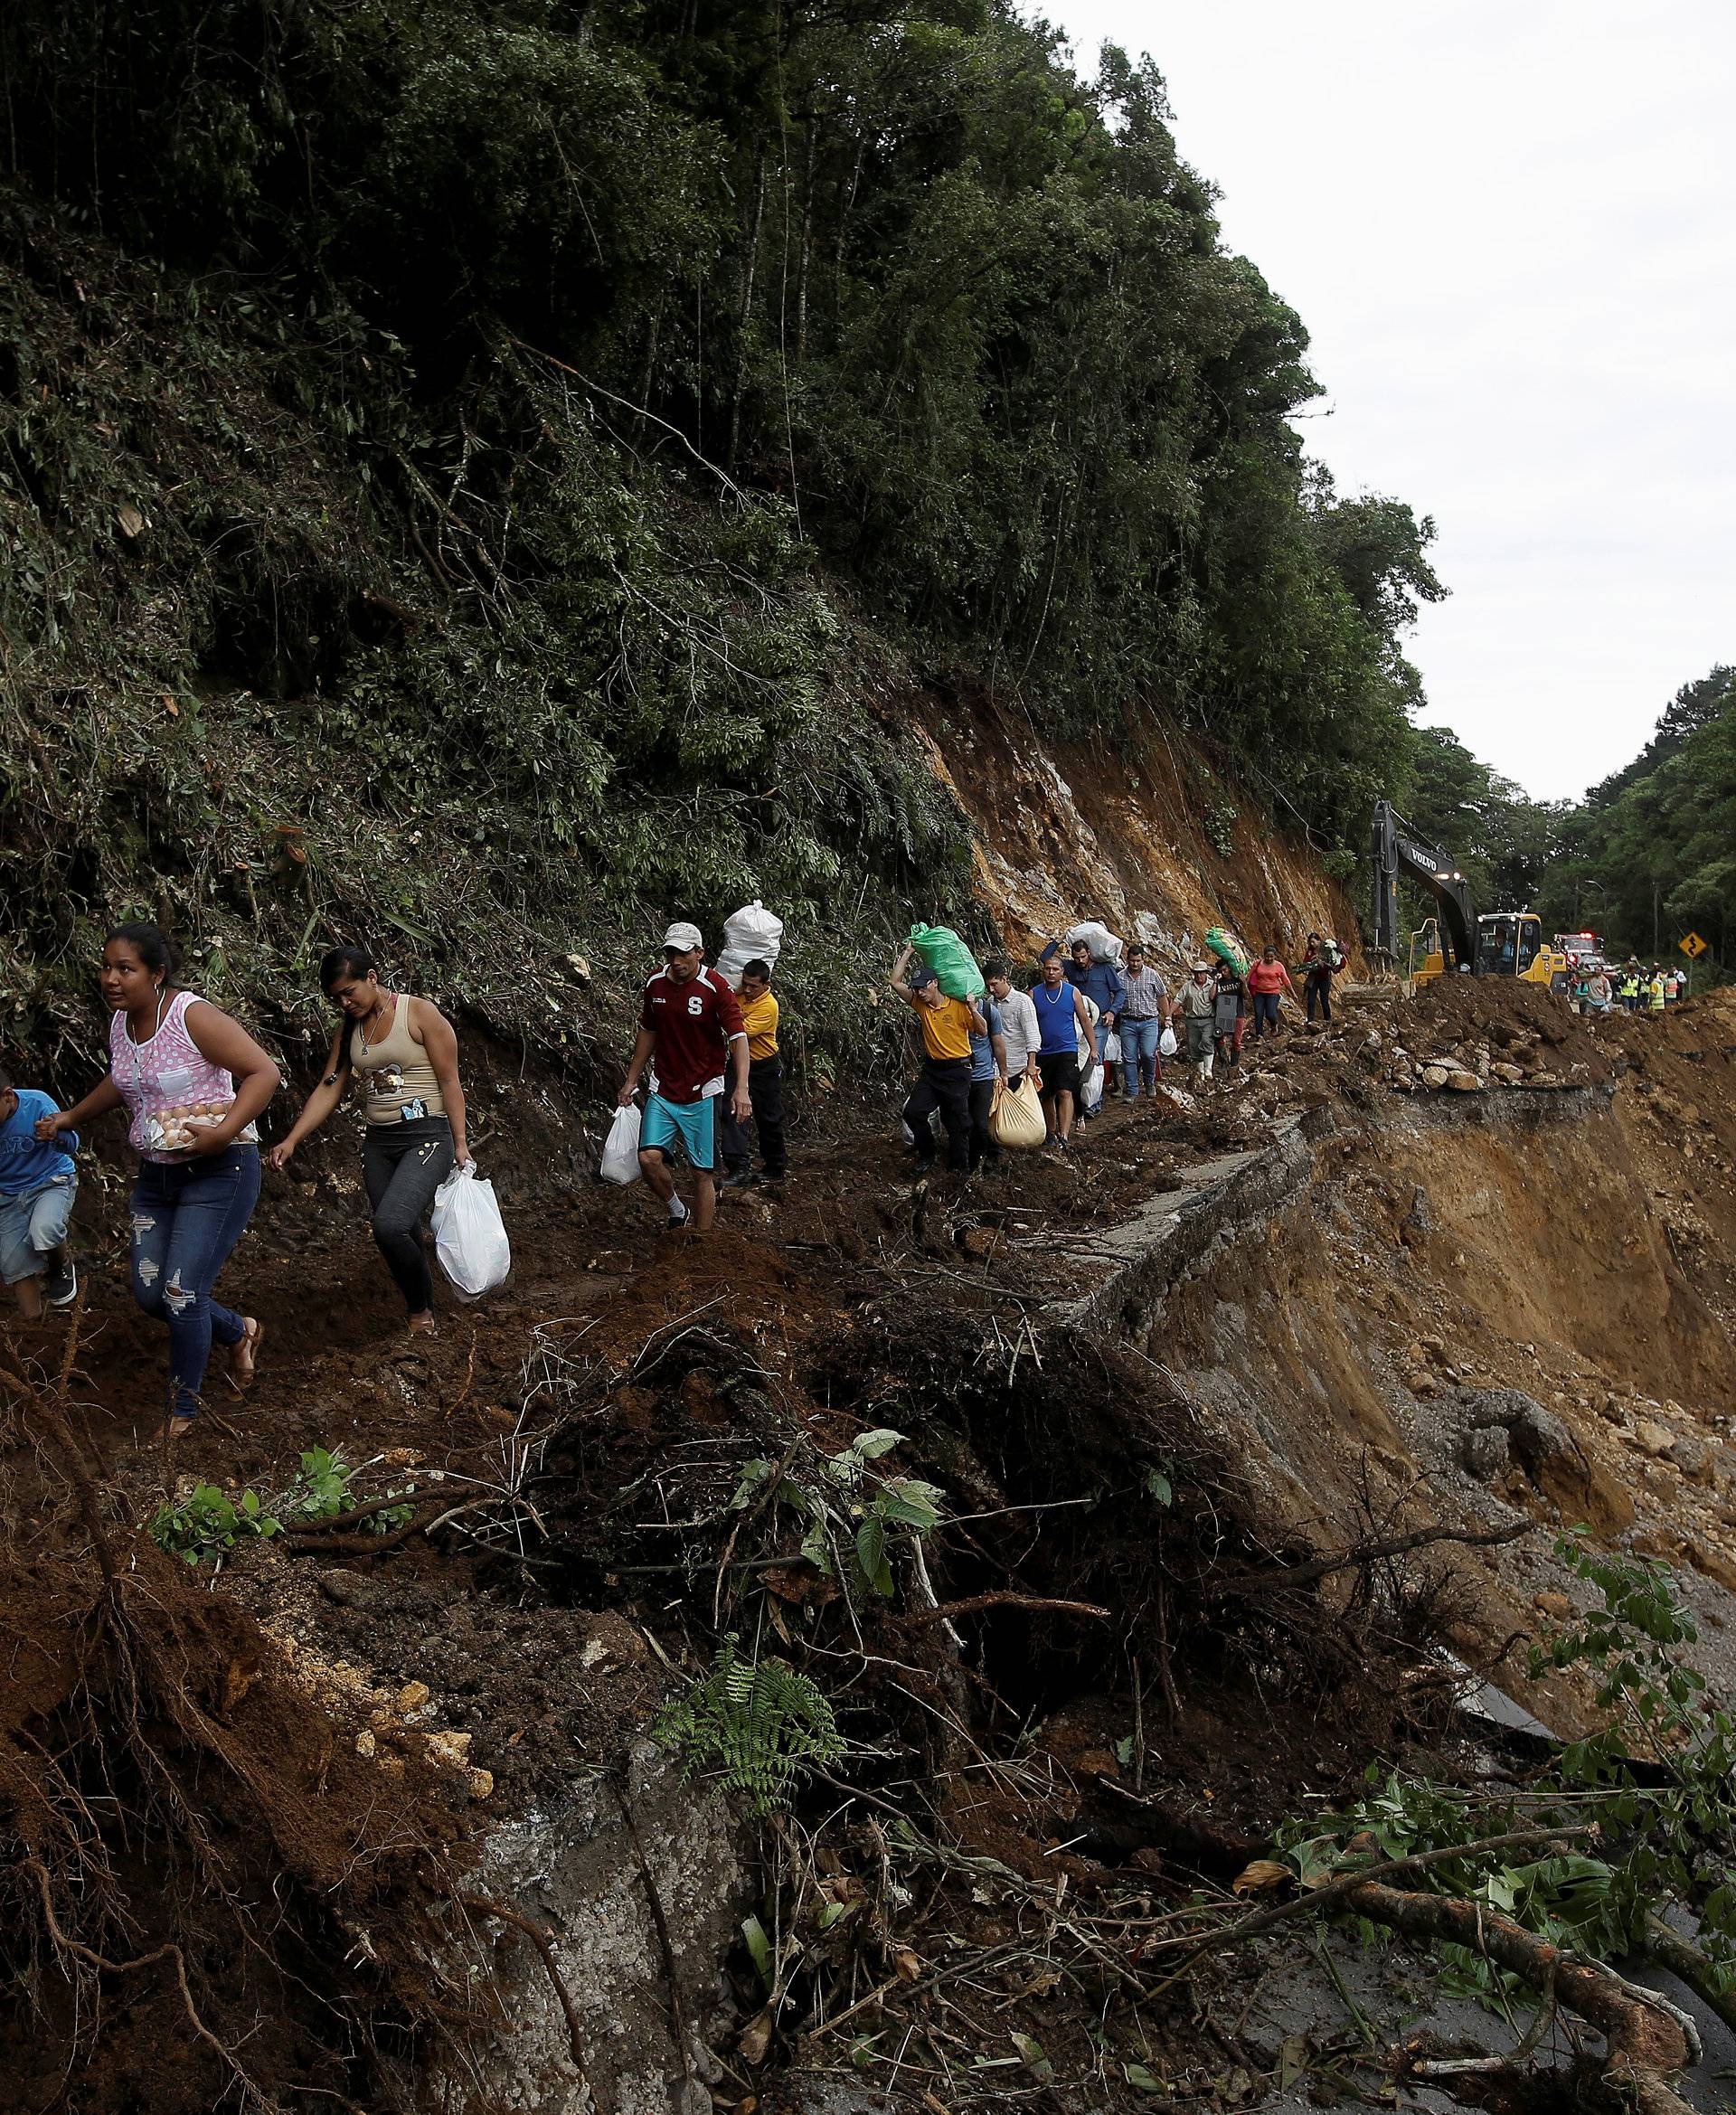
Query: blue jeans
column 1266, row 1011
column 186, row 1218
column 1138, row 1055
column 33, row 1225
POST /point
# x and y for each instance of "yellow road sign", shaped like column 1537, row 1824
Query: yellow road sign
column 1693, row 946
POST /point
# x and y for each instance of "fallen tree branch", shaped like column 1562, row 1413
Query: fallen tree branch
column 1397, row 1545
column 361, row 1545
column 975, row 1603
column 538, row 1938
column 349, row 1518
column 1671, row 1950
column 1643, row 2038
column 1315, row 1899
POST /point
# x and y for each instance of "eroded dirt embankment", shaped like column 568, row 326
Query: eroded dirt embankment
column 1233, row 1332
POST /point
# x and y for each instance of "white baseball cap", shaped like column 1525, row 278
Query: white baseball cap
column 683, row 936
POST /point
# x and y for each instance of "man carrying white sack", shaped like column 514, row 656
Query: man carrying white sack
column 691, row 1031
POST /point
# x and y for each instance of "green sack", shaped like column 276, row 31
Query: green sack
column 1220, row 944
column 954, row 965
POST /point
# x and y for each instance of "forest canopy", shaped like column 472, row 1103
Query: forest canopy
column 960, row 318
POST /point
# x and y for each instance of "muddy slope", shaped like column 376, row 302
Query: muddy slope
column 1233, row 1331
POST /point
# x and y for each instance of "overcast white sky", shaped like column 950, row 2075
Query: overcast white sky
column 1510, row 228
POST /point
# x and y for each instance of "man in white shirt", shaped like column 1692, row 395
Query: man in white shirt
column 1019, row 1028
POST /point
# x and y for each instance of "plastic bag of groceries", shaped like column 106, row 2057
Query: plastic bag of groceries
column 469, row 1234
column 621, row 1147
column 1016, row 1116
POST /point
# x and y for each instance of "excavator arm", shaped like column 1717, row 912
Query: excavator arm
column 1397, row 852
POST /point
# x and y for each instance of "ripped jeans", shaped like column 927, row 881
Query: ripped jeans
column 186, row 1218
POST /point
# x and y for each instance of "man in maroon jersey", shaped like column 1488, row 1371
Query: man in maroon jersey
column 691, row 1034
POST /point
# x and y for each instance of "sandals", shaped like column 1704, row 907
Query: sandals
column 244, row 1355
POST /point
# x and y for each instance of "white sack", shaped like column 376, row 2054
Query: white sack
column 752, row 934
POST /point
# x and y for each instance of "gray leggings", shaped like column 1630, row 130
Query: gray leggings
column 402, row 1165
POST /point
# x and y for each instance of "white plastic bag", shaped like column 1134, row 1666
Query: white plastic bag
column 469, row 1234
column 1091, row 1088
column 1104, row 945
column 1166, row 1043
column 1112, row 1048
column 621, row 1147
column 752, row 934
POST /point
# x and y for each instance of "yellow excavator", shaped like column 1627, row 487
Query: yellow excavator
column 1498, row 943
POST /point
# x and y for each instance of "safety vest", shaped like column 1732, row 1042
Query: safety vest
column 1657, row 995
column 1630, row 987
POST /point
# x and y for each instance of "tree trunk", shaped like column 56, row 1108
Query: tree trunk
column 744, row 316
column 808, row 244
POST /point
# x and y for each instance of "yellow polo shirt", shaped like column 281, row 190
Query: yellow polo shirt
column 760, row 1019
column 946, row 1029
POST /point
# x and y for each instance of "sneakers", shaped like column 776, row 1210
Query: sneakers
column 61, row 1286
column 739, row 1178
column 678, row 1214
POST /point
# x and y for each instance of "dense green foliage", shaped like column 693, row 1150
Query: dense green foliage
column 482, row 474
column 1651, row 855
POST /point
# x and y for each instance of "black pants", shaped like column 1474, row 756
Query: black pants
column 945, row 1085
column 766, row 1091
column 1319, row 989
column 982, row 1139
column 402, row 1165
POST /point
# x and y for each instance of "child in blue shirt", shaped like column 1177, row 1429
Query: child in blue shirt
column 37, row 1186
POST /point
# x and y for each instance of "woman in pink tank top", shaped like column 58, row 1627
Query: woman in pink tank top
column 192, row 1082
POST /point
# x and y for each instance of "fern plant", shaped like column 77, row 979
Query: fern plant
column 755, row 1724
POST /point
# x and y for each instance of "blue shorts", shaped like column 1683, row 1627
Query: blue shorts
column 33, row 1225
column 693, row 1122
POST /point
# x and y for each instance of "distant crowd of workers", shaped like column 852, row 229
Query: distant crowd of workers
column 1601, row 988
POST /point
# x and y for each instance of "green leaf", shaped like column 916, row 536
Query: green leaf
column 871, row 1446
column 759, row 1947
column 871, row 1554
column 1032, row 2056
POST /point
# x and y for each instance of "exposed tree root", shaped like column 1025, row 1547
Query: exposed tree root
column 974, row 1604
column 480, row 1905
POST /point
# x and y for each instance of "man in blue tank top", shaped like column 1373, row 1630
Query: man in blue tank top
column 1064, row 1026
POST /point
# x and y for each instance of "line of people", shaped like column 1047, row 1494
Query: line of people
column 193, row 1084
column 1086, row 1013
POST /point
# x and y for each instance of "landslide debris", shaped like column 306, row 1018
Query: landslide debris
column 1178, row 1582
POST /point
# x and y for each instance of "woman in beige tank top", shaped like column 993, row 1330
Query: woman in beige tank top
column 402, row 1053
